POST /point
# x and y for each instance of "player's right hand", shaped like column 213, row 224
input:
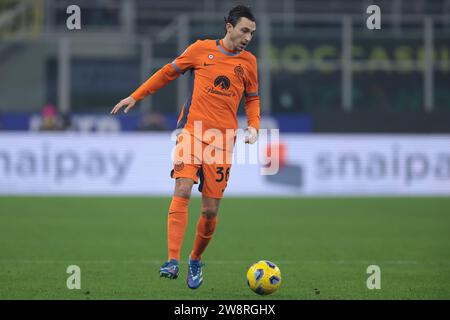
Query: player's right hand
column 127, row 102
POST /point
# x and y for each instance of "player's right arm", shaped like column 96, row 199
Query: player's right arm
column 162, row 77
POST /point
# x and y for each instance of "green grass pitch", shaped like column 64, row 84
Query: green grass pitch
column 323, row 247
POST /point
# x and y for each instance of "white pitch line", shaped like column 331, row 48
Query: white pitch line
column 246, row 262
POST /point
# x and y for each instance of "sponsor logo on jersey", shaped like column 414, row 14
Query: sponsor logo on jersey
column 222, row 82
column 221, row 85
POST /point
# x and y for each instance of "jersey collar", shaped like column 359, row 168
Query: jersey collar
column 225, row 51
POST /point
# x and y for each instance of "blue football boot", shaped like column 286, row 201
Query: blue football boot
column 195, row 275
column 169, row 269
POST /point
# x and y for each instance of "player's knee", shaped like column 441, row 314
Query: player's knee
column 183, row 190
column 210, row 211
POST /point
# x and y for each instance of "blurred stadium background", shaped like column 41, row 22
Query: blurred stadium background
column 364, row 119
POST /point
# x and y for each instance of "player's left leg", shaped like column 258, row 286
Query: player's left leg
column 213, row 182
column 205, row 230
column 205, row 226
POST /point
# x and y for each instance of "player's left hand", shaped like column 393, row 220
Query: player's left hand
column 251, row 135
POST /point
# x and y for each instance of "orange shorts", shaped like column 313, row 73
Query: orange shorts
column 207, row 164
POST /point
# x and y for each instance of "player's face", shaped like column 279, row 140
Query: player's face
column 242, row 33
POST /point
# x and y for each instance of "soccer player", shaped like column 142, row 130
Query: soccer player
column 222, row 71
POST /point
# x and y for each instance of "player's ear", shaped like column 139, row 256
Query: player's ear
column 229, row 27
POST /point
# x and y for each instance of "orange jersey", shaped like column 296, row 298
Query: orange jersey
column 218, row 80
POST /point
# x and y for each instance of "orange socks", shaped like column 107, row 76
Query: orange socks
column 176, row 225
column 205, row 230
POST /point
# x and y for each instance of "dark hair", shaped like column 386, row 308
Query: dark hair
column 237, row 13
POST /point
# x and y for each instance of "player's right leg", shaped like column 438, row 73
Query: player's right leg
column 185, row 174
column 177, row 220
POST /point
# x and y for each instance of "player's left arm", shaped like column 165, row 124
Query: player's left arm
column 252, row 103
